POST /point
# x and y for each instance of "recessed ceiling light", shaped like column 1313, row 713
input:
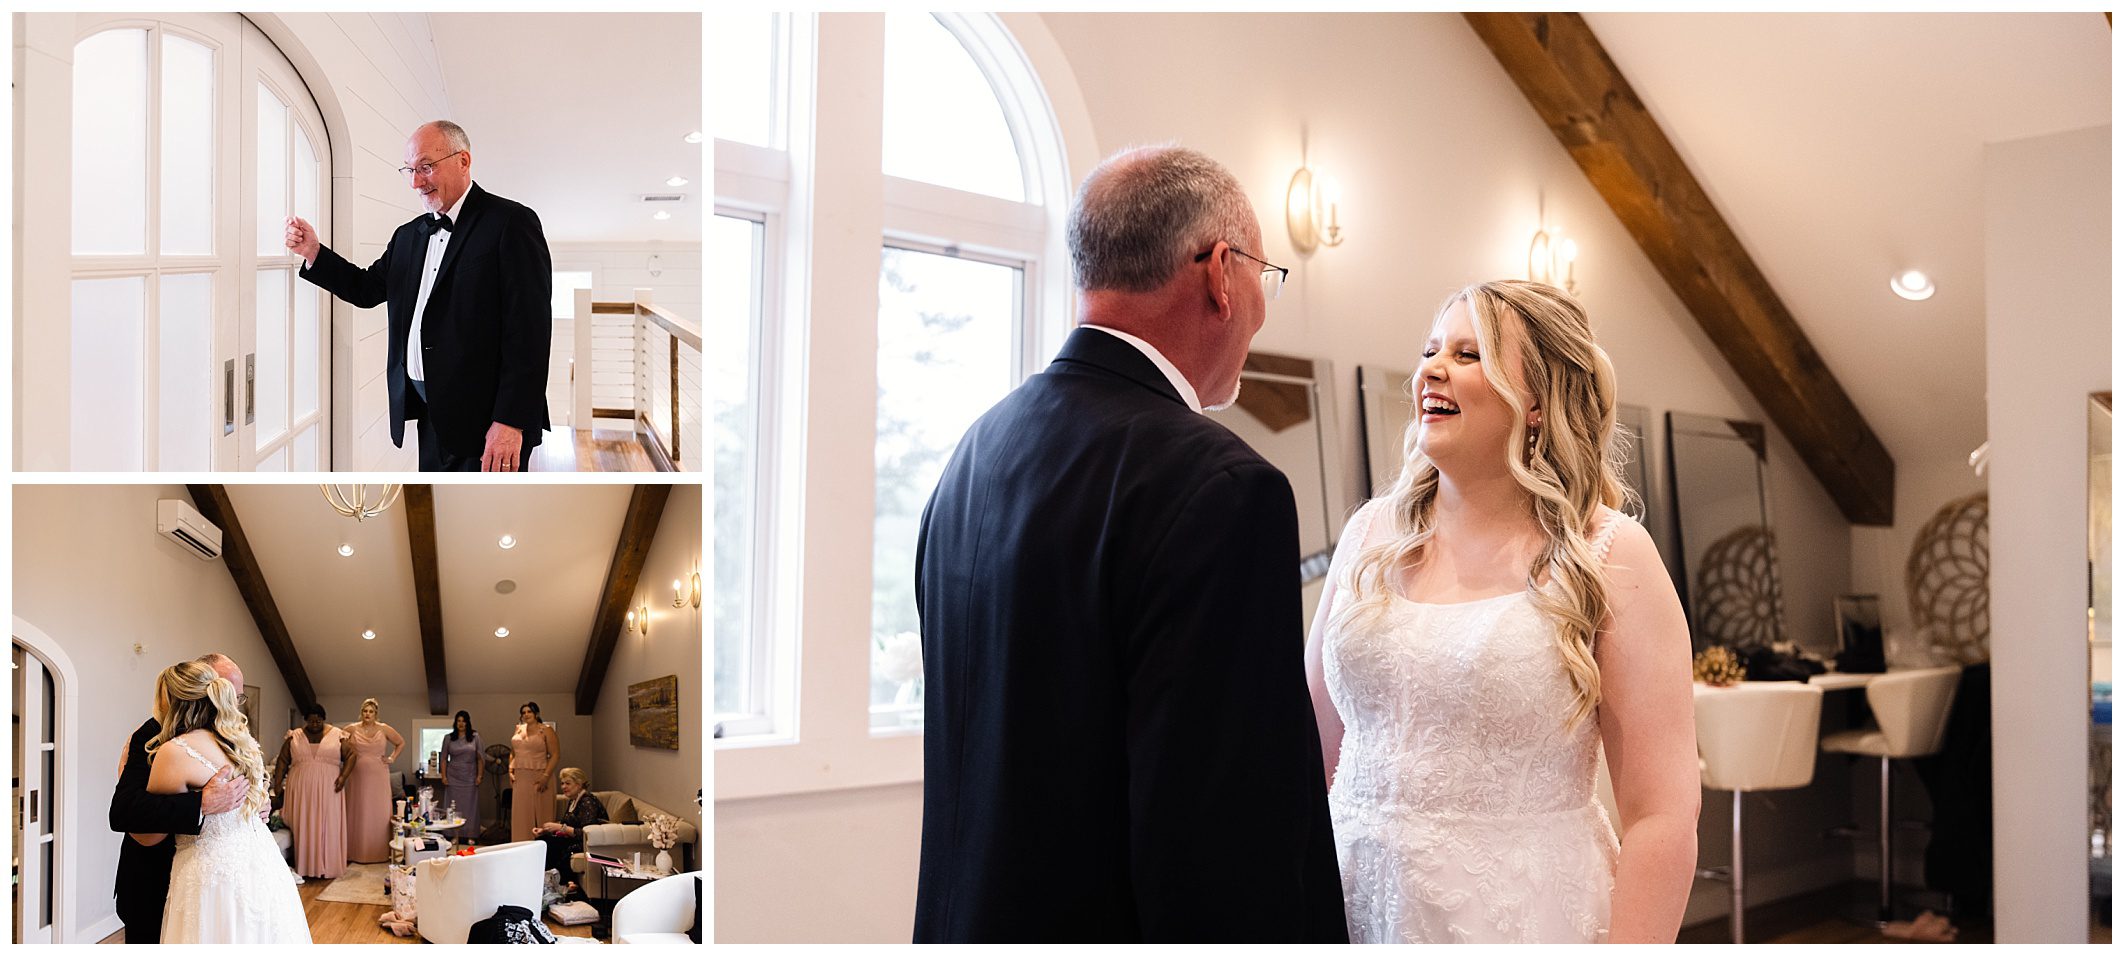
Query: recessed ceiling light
column 677, row 181
column 368, row 635
column 693, row 137
column 1913, row 285
column 346, row 550
column 662, row 214
column 501, row 632
column 508, row 541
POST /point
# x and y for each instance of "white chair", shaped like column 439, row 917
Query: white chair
column 659, row 912
column 453, row 892
column 1910, row 712
column 1754, row 736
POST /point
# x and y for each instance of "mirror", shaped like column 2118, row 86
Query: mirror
column 1283, row 413
column 1721, row 513
column 2098, row 610
column 1385, row 407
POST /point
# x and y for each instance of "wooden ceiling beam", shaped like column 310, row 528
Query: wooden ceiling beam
column 1567, row 76
column 427, row 592
column 236, row 555
column 644, row 509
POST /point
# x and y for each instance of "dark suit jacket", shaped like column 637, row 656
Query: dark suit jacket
column 488, row 327
column 1118, row 742
column 144, row 871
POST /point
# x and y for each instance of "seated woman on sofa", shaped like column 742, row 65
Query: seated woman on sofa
column 564, row 837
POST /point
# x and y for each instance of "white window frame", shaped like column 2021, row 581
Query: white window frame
column 819, row 361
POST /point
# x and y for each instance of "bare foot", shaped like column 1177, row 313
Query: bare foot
column 1929, row 927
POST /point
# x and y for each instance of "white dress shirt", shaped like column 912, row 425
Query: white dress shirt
column 1172, row 372
column 438, row 242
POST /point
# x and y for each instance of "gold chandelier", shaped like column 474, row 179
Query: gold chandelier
column 352, row 501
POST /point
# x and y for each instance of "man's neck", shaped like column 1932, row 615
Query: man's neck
column 1142, row 316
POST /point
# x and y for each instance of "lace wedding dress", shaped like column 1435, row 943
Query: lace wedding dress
column 1464, row 808
column 229, row 884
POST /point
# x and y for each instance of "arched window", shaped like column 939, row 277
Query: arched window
column 934, row 135
column 188, row 344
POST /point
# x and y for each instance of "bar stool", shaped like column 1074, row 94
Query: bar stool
column 1910, row 712
column 1754, row 736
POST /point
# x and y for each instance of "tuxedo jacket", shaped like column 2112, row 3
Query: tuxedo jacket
column 144, row 871
column 488, row 327
column 1118, row 741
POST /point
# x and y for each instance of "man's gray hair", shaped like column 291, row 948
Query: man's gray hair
column 1146, row 211
column 454, row 133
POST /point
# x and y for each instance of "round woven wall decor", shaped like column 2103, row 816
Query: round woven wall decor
column 1949, row 580
column 1743, row 605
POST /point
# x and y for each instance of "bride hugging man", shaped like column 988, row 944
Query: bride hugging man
column 1128, row 735
column 198, row 865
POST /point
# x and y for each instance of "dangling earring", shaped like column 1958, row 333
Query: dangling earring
column 1533, row 435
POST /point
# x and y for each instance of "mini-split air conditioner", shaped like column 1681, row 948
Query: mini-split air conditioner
column 178, row 521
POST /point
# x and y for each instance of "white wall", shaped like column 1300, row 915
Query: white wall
column 672, row 646
column 1446, row 172
column 2047, row 337
column 92, row 574
column 375, row 78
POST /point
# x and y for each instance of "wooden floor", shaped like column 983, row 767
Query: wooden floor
column 1818, row 917
column 593, row 449
column 356, row 922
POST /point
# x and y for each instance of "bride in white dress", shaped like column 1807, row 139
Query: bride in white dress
column 1488, row 626
column 229, row 884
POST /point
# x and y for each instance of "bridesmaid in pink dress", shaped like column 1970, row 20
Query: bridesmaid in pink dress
column 367, row 771
column 534, row 754
column 316, row 804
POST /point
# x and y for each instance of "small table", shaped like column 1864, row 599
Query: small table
column 602, row 929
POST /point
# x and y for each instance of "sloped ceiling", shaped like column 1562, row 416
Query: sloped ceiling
column 565, row 535
column 1844, row 148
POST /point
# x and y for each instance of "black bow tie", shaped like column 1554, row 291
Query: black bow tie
column 439, row 223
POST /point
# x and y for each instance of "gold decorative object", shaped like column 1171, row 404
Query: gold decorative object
column 355, row 501
column 1718, row 667
column 1743, row 603
column 1949, row 580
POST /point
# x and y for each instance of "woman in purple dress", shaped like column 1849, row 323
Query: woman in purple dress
column 464, row 768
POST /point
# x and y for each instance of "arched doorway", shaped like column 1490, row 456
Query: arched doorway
column 46, row 703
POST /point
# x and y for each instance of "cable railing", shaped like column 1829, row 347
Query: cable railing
column 645, row 368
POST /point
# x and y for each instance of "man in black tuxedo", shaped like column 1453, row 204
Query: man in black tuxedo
column 143, row 884
column 470, row 287
column 1118, row 743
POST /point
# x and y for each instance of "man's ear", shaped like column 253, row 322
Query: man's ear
column 1217, row 283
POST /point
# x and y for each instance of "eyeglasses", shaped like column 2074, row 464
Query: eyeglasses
column 426, row 169
column 1272, row 276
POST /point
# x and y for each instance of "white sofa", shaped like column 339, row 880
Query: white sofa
column 659, row 912
column 453, row 892
column 621, row 839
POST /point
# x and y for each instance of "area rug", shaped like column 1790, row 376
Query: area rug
column 361, row 883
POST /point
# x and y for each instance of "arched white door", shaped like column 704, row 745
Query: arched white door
column 190, row 344
column 37, row 800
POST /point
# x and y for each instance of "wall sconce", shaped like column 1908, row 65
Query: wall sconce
column 1312, row 210
column 684, row 593
column 638, row 618
column 1553, row 259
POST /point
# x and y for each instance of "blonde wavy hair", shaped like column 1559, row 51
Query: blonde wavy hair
column 191, row 696
column 1571, row 467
